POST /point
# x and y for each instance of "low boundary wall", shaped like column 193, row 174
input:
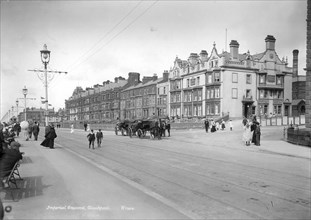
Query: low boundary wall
column 299, row 136
column 282, row 120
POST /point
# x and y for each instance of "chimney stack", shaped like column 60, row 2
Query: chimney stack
column 295, row 62
column 234, row 49
column 133, row 78
column 193, row 58
column 204, row 55
column 165, row 75
column 270, row 42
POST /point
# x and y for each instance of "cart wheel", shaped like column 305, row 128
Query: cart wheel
column 139, row 133
column 151, row 135
column 159, row 135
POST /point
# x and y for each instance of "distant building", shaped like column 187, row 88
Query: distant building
column 162, row 96
column 99, row 103
column 38, row 115
column 188, row 86
column 238, row 84
column 204, row 85
column 139, row 100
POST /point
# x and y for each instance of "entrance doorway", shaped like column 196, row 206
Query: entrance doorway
column 286, row 110
column 247, row 109
column 302, row 110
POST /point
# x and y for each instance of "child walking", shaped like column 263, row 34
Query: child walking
column 223, row 124
column 230, row 125
column 99, row 137
column 91, row 138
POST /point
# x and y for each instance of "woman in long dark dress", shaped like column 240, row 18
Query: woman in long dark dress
column 213, row 129
column 253, row 129
column 49, row 138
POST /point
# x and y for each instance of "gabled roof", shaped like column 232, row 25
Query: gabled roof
column 114, row 85
column 258, row 55
column 140, row 85
column 297, row 101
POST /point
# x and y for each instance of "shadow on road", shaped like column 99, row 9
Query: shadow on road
column 27, row 187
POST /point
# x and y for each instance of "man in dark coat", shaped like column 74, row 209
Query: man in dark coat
column 49, row 137
column 168, row 127
column 35, row 131
column 206, row 124
column 29, row 130
column 91, row 138
column 17, row 128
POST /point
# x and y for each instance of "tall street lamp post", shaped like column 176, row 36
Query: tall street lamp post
column 45, row 58
column 16, row 109
column 46, row 77
column 12, row 111
column 25, row 91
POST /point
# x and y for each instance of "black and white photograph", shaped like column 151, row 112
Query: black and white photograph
column 155, row 109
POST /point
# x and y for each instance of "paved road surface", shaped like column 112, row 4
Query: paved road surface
column 189, row 175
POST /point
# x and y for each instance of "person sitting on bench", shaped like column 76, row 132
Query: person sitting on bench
column 8, row 158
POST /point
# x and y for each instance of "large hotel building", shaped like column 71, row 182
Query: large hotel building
column 204, row 85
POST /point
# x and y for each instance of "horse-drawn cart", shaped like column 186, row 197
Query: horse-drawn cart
column 123, row 127
column 141, row 127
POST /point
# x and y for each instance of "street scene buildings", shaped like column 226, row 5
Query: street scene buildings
column 160, row 117
column 204, row 85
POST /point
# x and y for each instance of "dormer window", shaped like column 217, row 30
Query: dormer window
column 248, row 78
column 192, row 82
column 209, row 78
column 262, row 79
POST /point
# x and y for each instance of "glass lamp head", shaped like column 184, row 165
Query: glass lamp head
column 45, row 54
column 25, row 90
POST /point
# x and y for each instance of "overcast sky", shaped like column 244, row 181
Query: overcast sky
column 96, row 41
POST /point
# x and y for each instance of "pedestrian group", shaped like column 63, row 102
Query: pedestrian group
column 92, row 137
column 251, row 133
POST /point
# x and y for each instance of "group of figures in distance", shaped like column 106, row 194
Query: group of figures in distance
column 156, row 127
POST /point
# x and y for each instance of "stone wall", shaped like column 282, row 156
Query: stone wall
column 299, row 90
column 308, row 75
